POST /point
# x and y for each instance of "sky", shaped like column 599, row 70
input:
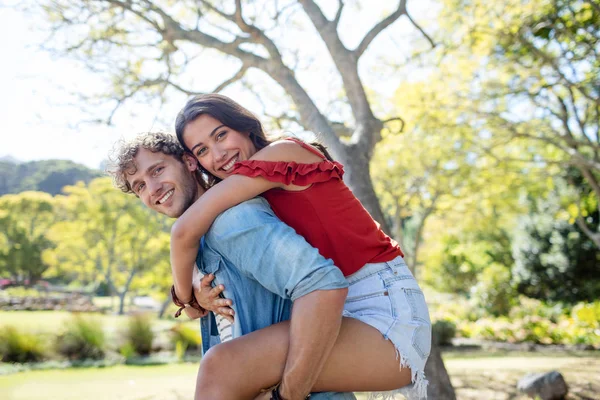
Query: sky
column 41, row 119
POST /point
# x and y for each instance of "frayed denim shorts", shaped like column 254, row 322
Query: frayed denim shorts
column 387, row 297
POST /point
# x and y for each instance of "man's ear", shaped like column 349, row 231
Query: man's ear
column 190, row 162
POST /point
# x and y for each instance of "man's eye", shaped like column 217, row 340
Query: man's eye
column 141, row 187
column 158, row 170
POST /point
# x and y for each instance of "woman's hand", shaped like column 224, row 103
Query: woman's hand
column 208, row 298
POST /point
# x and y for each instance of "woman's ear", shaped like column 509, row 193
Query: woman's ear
column 190, row 162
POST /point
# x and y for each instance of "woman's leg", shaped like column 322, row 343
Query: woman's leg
column 361, row 360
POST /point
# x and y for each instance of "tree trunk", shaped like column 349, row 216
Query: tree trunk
column 440, row 387
column 357, row 175
column 122, row 302
column 163, row 307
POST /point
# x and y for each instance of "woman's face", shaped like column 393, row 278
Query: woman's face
column 216, row 146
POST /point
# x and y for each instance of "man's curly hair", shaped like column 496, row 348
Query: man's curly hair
column 122, row 160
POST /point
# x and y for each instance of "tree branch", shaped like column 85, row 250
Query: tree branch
column 379, row 27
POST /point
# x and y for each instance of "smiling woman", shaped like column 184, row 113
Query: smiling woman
column 388, row 327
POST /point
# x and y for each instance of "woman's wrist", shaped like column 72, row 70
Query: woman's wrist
column 184, row 304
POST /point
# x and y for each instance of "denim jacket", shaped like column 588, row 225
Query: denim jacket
column 264, row 265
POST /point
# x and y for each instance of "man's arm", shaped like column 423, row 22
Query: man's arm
column 272, row 253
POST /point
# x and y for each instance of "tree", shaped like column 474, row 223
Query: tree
column 553, row 259
column 48, row 176
column 110, row 237
column 24, row 219
column 538, row 83
column 151, row 48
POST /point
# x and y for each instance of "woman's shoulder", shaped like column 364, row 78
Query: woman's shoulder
column 287, row 151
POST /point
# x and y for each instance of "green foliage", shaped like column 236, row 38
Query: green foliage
column 48, row 176
column 554, row 260
column 24, row 219
column 139, row 334
column 187, row 337
column 535, row 322
column 127, row 350
column 494, row 291
column 83, row 339
column 109, row 237
column 443, row 331
column 21, row 346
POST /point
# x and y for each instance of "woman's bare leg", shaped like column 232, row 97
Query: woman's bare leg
column 361, row 360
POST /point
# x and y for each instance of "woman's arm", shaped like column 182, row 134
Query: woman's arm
column 197, row 219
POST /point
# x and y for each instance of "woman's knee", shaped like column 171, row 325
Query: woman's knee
column 214, row 366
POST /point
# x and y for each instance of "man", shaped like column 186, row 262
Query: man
column 261, row 262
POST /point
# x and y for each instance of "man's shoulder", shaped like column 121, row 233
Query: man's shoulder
column 249, row 212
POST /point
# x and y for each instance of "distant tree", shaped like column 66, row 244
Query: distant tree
column 108, row 236
column 48, row 176
column 24, row 220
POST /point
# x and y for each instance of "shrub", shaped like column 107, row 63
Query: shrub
column 139, row 334
column 494, row 292
column 187, row 338
column 443, row 331
column 83, row 339
column 20, row 347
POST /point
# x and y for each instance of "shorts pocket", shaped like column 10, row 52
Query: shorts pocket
column 369, row 297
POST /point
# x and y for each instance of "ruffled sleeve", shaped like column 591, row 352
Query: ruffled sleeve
column 290, row 172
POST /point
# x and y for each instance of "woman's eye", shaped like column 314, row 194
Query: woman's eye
column 201, row 152
column 221, row 135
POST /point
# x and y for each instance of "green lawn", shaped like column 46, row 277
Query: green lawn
column 474, row 375
column 48, row 322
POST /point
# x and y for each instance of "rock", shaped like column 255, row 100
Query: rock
column 547, row 386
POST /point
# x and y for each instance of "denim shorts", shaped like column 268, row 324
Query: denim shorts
column 387, row 297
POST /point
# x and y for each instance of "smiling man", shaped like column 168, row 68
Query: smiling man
column 260, row 290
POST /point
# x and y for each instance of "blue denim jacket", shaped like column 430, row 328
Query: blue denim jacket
column 264, row 265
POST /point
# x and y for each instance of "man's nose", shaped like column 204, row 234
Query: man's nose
column 154, row 187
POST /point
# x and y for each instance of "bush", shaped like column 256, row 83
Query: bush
column 443, row 331
column 17, row 346
column 494, row 292
column 554, row 260
column 83, row 339
column 139, row 334
column 185, row 337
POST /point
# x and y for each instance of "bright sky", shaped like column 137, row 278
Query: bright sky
column 39, row 120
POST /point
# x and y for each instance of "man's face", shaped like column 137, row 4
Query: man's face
column 163, row 183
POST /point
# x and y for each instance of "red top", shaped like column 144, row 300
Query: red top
column 326, row 214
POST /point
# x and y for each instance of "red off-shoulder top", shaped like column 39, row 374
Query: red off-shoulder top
column 326, row 214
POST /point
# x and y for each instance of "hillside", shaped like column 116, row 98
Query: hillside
column 48, row 176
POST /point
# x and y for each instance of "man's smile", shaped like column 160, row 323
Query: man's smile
column 166, row 196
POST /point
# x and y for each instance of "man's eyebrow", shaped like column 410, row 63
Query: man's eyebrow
column 150, row 168
column 211, row 135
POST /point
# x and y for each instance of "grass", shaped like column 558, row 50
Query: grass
column 170, row 382
column 49, row 322
column 476, row 375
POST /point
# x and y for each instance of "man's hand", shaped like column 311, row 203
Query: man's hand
column 208, row 298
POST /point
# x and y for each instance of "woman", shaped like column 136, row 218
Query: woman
column 384, row 343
